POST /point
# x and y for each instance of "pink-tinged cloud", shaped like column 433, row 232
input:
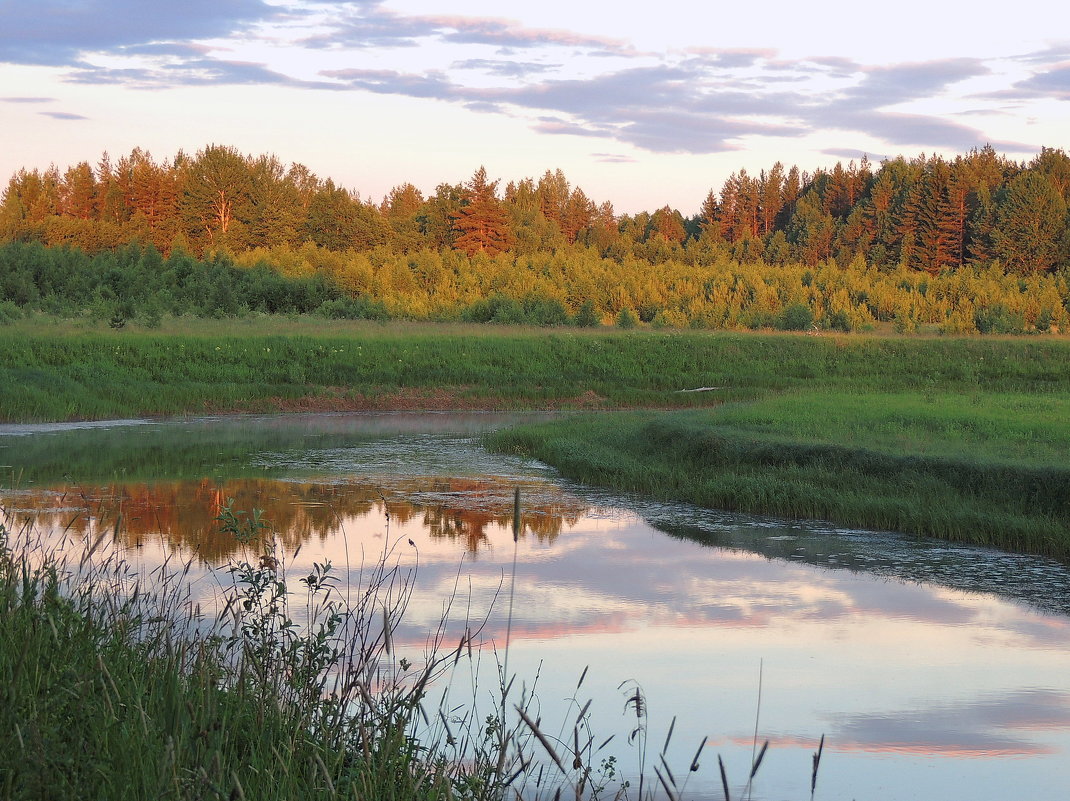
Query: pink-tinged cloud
column 510, row 33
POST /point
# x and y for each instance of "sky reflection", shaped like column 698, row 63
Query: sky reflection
column 947, row 692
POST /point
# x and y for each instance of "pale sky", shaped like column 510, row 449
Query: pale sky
column 642, row 104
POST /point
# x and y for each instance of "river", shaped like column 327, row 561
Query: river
column 932, row 670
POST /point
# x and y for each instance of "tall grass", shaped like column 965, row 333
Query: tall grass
column 59, row 372
column 759, row 461
column 114, row 688
column 116, row 685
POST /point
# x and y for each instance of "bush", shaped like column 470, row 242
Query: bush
column 540, row 310
column 349, row 308
column 9, row 312
column 627, row 319
column 495, row 309
column 587, row 315
column 998, row 319
column 797, row 317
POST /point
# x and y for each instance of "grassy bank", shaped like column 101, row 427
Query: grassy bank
column 62, row 371
column 983, row 468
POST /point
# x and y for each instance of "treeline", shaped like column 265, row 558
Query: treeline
column 978, row 242
column 573, row 285
column 927, row 213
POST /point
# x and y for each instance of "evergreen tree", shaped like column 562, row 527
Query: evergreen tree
column 771, row 197
column 78, row 195
column 439, row 213
column 577, row 215
column 482, row 223
column 401, row 209
column 1030, row 225
column 337, row 220
column 216, row 196
column 274, row 211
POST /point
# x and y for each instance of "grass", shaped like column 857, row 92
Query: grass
column 112, row 691
column 55, row 370
column 114, row 685
column 964, row 468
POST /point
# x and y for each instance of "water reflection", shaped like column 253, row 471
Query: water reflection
column 185, row 514
column 905, row 653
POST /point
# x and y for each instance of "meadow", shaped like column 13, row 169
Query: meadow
column 52, row 369
column 961, row 438
column 959, row 467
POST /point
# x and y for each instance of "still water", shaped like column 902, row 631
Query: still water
column 934, row 671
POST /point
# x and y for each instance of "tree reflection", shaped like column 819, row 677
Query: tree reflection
column 183, row 514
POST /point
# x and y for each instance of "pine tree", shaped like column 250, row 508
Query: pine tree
column 771, row 194
column 482, row 223
column 1030, row 225
column 216, row 195
column 577, row 214
column 78, row 195
column 401, row 209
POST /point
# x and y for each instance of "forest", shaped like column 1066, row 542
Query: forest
column 978, row 243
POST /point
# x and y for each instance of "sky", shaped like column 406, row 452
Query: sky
column 642, row 104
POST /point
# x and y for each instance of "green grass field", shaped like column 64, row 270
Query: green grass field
column 62, row 371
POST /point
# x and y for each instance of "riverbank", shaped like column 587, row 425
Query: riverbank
column 986, row 469
column 958, row 438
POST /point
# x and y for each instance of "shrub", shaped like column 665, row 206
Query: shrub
column 797, row 317
column 587, row 315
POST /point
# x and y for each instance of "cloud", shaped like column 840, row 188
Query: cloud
column 57, row 32
column 850, row 153
column 192, row 72
column 1054, row 83
column 368, row 25
column 391, row 82
column 698, row 100
column 562, row 127
column 731, row 58
column 899, row 83
column 503, row 67
column 27, row 100
column 695, row 105
column 1053, row 54
column 484, row 108
column 509, row 33
column 982, row 728
column 62, row 115
column 612, row 158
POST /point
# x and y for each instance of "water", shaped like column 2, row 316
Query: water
column 934, row 671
